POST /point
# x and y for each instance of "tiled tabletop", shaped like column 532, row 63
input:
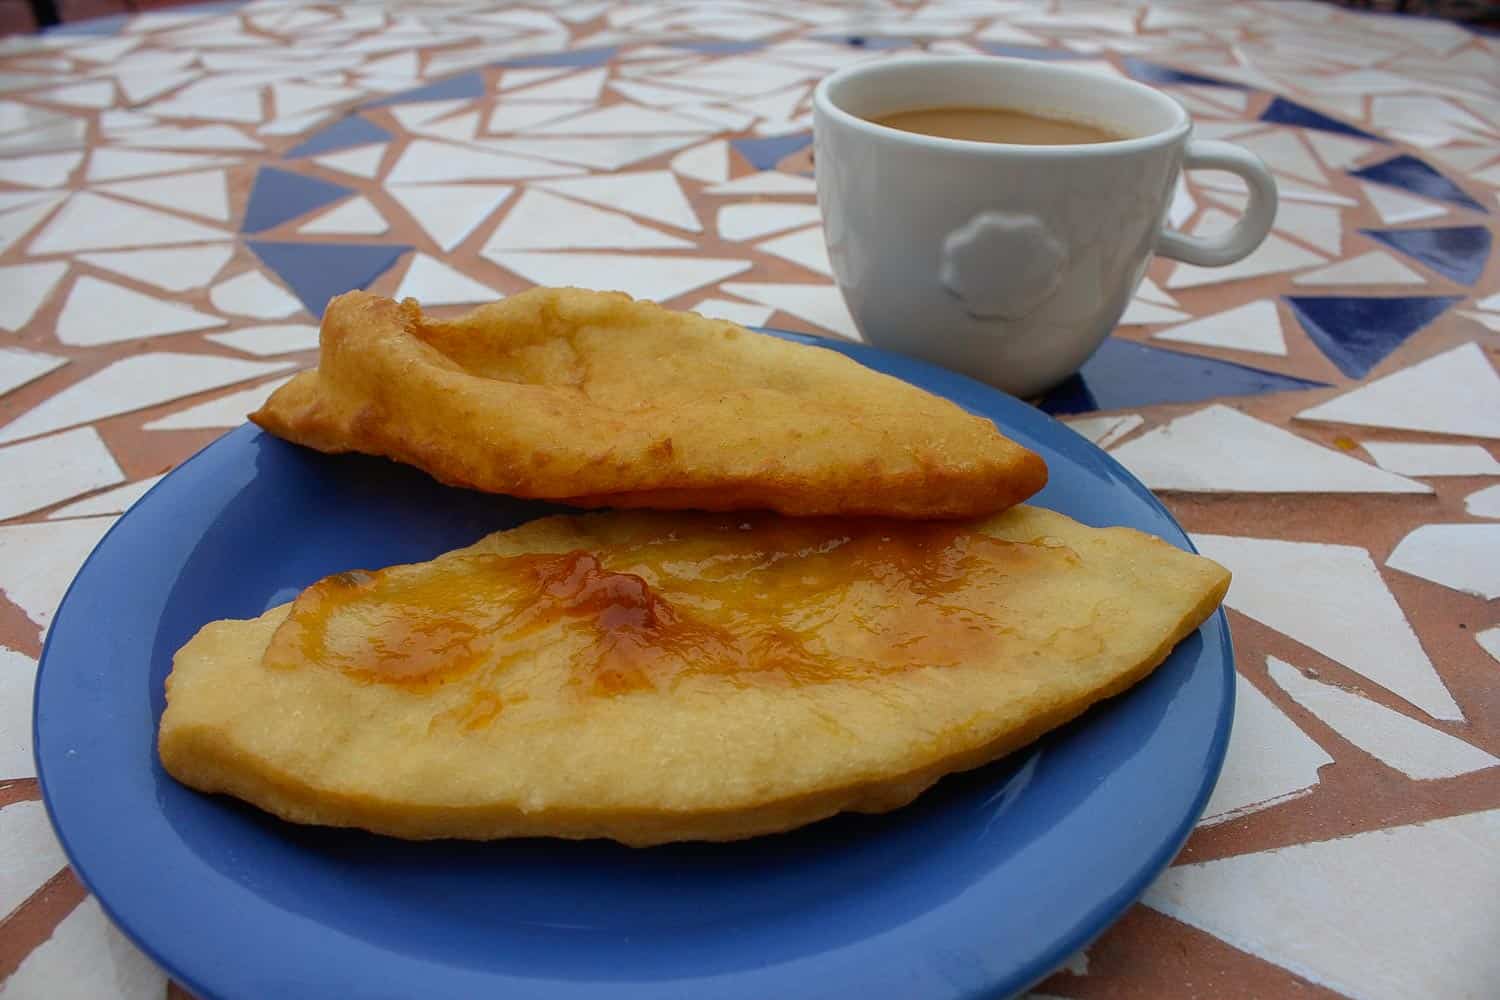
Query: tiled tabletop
column 181, row 192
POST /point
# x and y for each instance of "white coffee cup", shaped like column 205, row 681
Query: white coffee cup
column 1010, row 263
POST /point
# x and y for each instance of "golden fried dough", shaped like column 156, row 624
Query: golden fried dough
column 661, row 677
column 595, row 399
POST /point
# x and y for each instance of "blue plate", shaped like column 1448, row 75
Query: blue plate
column 980, row 888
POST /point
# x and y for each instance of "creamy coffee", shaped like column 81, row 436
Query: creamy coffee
column 1005, row 125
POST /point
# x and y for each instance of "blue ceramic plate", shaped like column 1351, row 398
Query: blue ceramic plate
column 980, row 888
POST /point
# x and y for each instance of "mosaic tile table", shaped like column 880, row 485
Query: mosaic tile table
column 181, row 192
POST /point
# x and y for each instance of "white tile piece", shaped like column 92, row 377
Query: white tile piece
column 90, row 94
column 1319, row 226
column 735, row 312
column 805, row 247
column 751, row 219
column 708, row 163
column 1485, row 503
column 433, row 283
column 1150, row 291
column 649, row 194
column 1433, row 459
column 1274, row 256
column 623, row 119
column 460, row 128
column 1489, row 641
column 1456, row 392
column 1395, row 206
column 191, row 137
column 644, row 277
column 1489, row 321
column 45, row 171
column 1312, row 591
column 296, row 124
column 69, row 134
column 450, row 212
column 243, row 106
column 115, row 501
column 133, row 383
column 601, row 154
column 205, row 194
column 822, row 304
column 1270, row 760
column 1254, row 326
column 1220, row 450
column 270, row 340
column 429, row 161
column 1106, row 431
column 362, row 161
column 176, row 269
column 32, row 853
column 87, row 957
column 1423, row 928
column 19, row 367
column 1465, row 557
column 585, row 86
column 299, row 98
column 23, row 289
column 513, row 78
column 543, row 221
column 226, row 411
column 724, row 118
column 423, row 112
column 1286, row 189
column 30, row 865
column 1464, row 158
column 1411, row 747
column 253, row 294
column 88, row 221
column 1491, row 303
column 356, row 217
column 18, row 222
column 38, row 561
column 768, row 182
column 511, row 117
column 20, row 199
column 1338, row 152
column 142, row 85
column 106, row 51
column 1373, row 268
column 1142, row 313
column 40, row 473
column 102, row 312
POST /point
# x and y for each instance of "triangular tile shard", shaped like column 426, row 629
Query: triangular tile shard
column 1123, row 375
column 316, row 272
column 1411, row 174
column 1458, row 253
column 1456, row 392
column 659, row 279
column 173, row 269
column 1465, row 557
column 1269, row 761
column 543, row 221
column 433, row 283
column 1424, row 928
column 1315, row 594
column 1414, row 748
column 467, row 85
column 1358, row 333
column 90, row 222
column 1284, row 112
column 102, row 312
column 1254, row 326
column 279, row 195
column 346, row 133
column 1221, row 450
column 450, row 212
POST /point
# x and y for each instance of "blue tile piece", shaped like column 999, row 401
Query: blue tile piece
column 1123, row 374
column 764, row 154
column 576, row 57
column 345, row 134
column 720, row 48
column 451, row 89
column 316, row 272
column 1456, row 252
column 1284, row 112
column 1411, row 174
column 280, row 195
column 94, row 26
column 1357, row 334
column 867, row 41
column 1149, row 72
column 1026, row 51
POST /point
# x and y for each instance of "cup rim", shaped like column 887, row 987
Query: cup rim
column 824, row 104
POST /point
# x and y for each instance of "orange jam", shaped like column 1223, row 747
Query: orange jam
column 759, row 599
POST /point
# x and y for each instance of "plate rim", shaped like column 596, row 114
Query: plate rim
column 1042, row 965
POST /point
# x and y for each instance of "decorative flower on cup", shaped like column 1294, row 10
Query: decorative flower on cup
column 1002, row 265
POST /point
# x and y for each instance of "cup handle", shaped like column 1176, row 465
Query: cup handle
column 1247, row 234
